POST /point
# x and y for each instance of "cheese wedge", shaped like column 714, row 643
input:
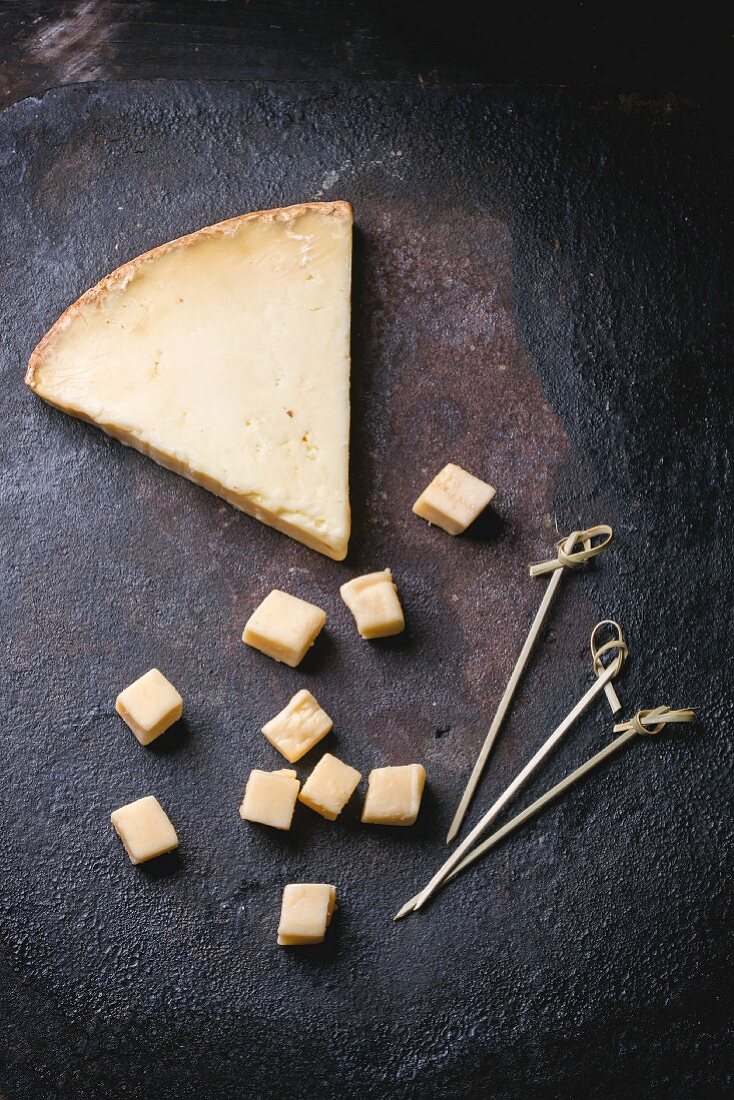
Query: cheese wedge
column 224, row 355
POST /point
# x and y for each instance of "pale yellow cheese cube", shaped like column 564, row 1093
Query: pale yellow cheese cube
column 145, row 829
column 454, row 499
column 149, row 706
column 329, row 787
column 394, row 795
column 270, row 798
column 284, row 627
column 373, row 600
column 298, row 727
column 305, row 912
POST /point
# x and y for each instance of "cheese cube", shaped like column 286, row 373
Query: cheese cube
column 373, row 600
column 298, row 727
column 144, row 829
column 149, row 706
column 270, row 798
column 305, row 912
column 284, row 627
column 454, row 499
column 394, row 795
column 329, row 787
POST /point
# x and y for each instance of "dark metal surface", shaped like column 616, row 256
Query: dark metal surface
column 540, row 293
column 659, row 51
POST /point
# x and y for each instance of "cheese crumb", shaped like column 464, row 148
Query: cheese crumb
column 298, row 727
column 374, row 603
column 329, row 787
column 305, row 913
column 145, row 829
column 394, row 795
column 454, row 499
column 284, row 627
column 270, row 798
column 149, row 706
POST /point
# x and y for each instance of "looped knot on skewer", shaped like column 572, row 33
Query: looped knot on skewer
column 658, row 718
column 618, row 644
column 571, row 558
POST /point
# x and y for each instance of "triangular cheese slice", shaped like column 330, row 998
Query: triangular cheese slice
column 224, row 355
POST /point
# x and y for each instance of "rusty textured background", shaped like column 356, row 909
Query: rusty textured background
column 541, row 292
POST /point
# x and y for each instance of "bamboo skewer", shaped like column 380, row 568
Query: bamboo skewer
column 566, row 557
column 597, row 652
column 422, row 897
column 658, row 719
column 648, row 722
column 546, row 748
column 542, row 802
column 502, row 709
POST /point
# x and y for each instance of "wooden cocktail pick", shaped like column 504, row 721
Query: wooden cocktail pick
column 604, row 677
column 644, row 722
column 567, row 557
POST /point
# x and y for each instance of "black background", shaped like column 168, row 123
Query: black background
column 542, row 288
column 644, row 48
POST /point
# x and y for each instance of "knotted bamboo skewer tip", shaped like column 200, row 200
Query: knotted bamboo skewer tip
column 616, row 644
column 651, row 722
column 569, row 558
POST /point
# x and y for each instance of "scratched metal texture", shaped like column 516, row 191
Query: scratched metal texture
column 541, row 290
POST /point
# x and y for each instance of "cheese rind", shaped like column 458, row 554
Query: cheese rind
column 374, row 603
column 145, row 829
column 149, row 706
column 298, row 727
column 224, row 355
column 270, row 798
column 329, row 787
column 394, row 795
column 306, row 912
column 454, row 499
column 284, row 627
